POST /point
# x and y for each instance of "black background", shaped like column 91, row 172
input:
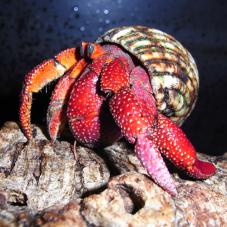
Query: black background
column 31, row 31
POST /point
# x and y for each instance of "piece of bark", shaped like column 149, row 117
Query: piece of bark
column 123, row 159
column 204, row 203
column 40, row 174
column 61, row 216
column 151, row 206
column 198, row 203
column 55, row 178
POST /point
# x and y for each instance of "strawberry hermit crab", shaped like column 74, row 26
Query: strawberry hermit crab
column 134, row 82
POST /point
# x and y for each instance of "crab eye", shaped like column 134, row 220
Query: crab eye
column 90, row 49
column 81, row 49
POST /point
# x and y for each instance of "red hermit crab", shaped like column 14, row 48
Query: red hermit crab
column 134, row 82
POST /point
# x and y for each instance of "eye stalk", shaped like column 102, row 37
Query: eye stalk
column 90, row 50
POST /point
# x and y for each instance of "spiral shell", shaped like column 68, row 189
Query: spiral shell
column 172, row 69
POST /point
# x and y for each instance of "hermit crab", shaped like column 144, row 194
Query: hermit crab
column 133, row 82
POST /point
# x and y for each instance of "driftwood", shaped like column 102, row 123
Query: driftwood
column 45, row 184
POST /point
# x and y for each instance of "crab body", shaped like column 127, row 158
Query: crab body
column 135, row 84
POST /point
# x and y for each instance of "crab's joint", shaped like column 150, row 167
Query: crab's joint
column 68, row 57
column 60, row 68
column 78, row 69
column 114, row 77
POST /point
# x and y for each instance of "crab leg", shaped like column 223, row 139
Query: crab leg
column 174, row 144
column 40, row 76
column 134, row 112
column 169, row 138
column 129, row 115
column 153, row 162
column 59, row 97
column 48, row 71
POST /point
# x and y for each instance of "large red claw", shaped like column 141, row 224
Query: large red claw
column 84, row 108
column 173, row 143
column 87, row 115
column 60, row 95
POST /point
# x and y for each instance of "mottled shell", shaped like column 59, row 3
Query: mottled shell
column 172, row 69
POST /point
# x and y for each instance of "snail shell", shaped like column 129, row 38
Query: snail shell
column 172, row 70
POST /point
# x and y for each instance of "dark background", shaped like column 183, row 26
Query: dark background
column 31, row 31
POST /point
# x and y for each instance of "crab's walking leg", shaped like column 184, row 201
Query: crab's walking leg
column 56, row 110
column 174, row 144
column 170, row 139
column 153, row 162
column 134, row 112
column 40, row 76
column 128, row 113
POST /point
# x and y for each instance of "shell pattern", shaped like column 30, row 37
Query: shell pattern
column 172, row 69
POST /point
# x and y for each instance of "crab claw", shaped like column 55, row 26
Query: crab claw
column 173, row 143
column 84, row 108
column 88, row 118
